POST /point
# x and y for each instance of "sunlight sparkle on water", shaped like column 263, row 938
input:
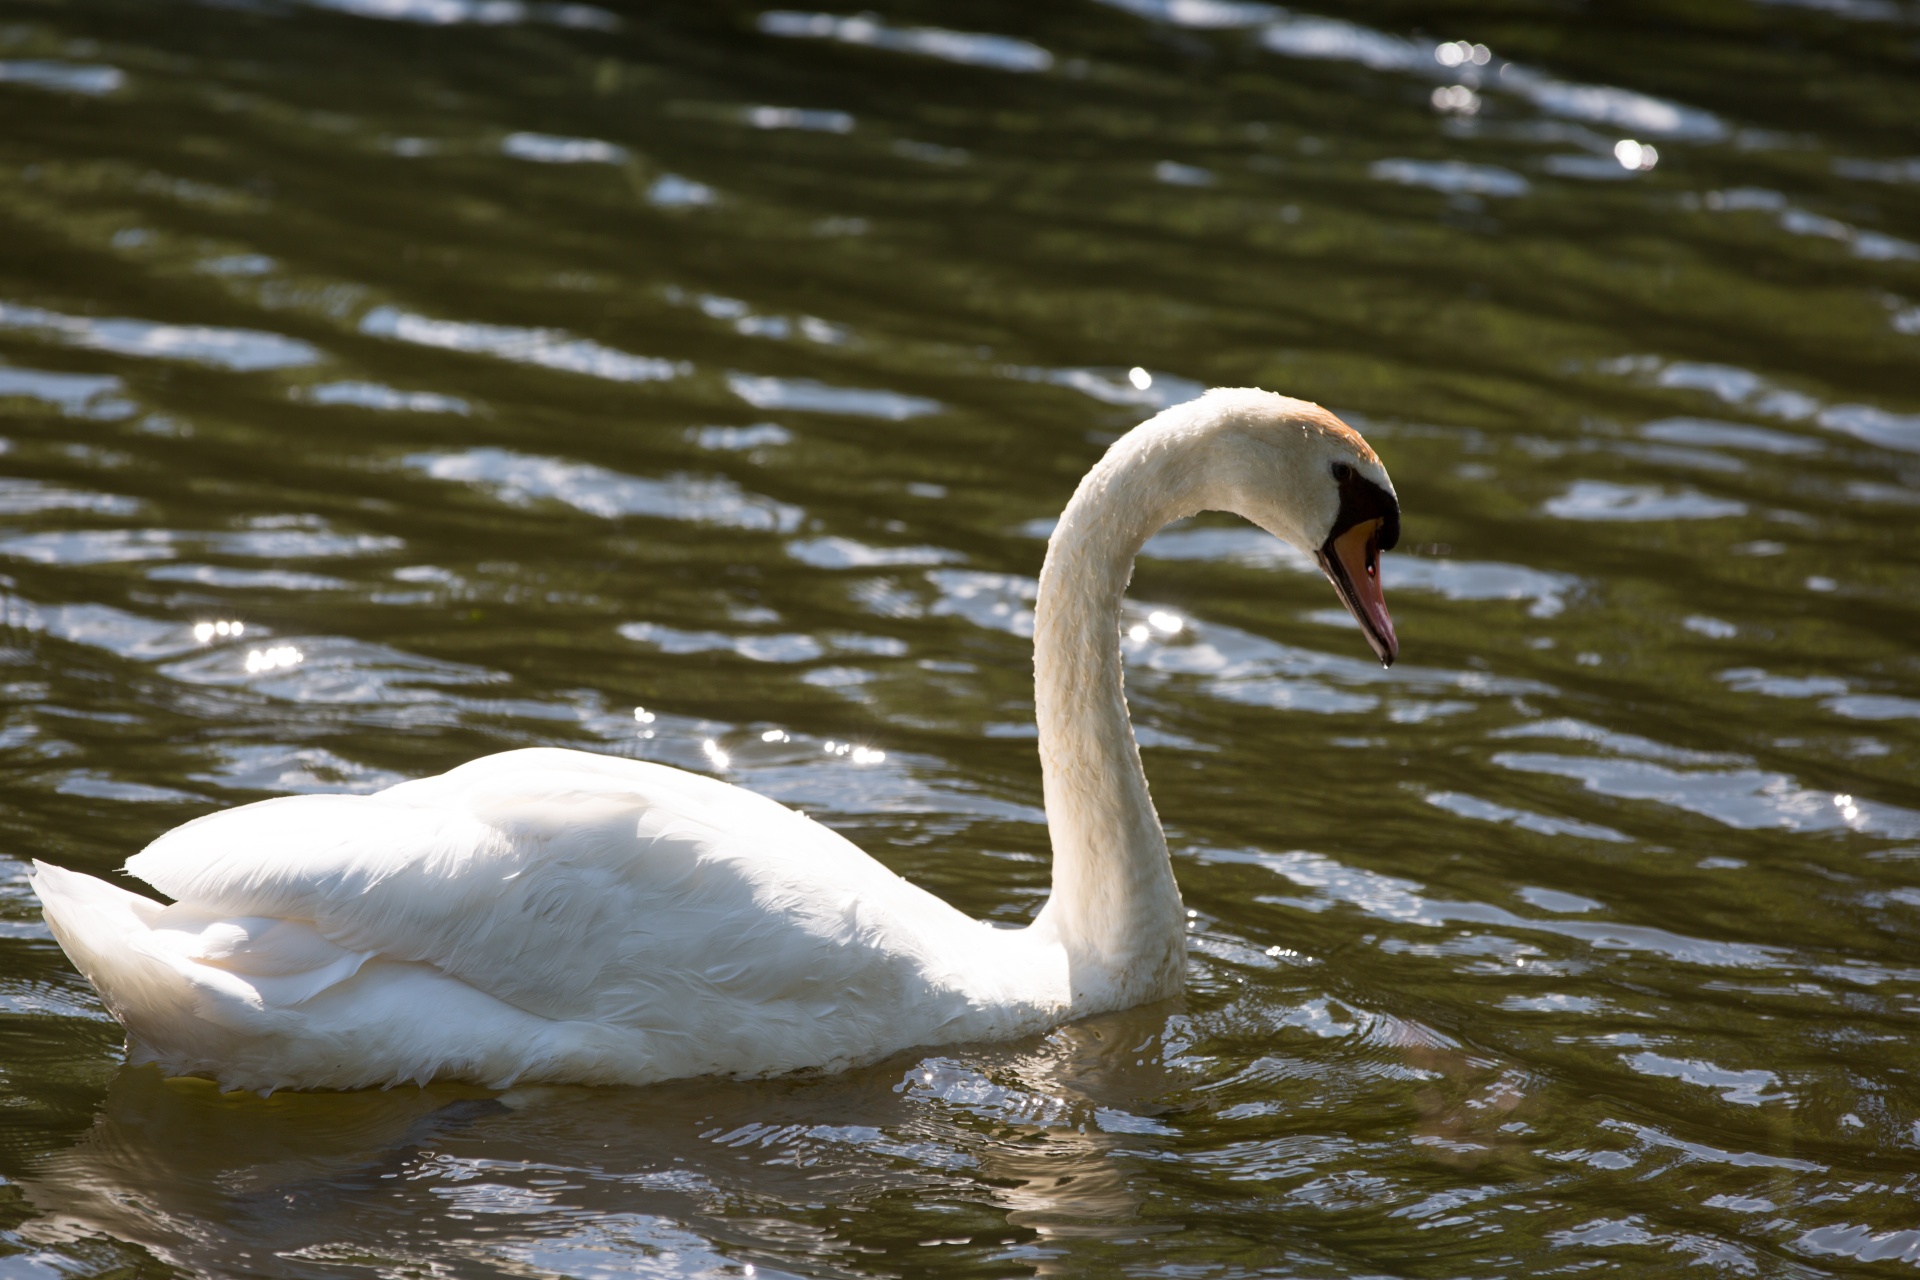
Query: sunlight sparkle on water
column 1635, row 155
column 1456, row 53
column 205, row 631
column 859, row 754
column 281, row 655
column 1140, row 378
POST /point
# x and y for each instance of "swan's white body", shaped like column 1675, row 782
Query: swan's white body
column 540, row 913
column 561, row 916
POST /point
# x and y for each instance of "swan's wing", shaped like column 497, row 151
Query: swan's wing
column 571, row 886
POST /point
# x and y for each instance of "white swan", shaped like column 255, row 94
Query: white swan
column 549, row 915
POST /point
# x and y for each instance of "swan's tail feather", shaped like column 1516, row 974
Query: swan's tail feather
column 194, row 989
column 260, row 1003
column 96, row 924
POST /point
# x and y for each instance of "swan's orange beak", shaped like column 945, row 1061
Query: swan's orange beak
column 1351, row 561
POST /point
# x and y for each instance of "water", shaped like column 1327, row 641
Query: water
column 492, row 368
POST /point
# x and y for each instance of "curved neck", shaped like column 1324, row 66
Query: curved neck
column 1114, row 905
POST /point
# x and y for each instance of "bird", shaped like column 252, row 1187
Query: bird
column 552, row 916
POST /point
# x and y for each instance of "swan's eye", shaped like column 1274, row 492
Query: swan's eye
column 1342, row 472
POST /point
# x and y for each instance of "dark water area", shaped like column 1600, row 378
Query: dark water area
column 387, row 382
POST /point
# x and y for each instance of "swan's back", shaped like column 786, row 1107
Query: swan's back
column 534, row 914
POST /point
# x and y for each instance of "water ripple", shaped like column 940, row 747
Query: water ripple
column 33, row 497
column 522, row 479
column 1144, row 388
column 486, row 13
column 845, row 553
column 804, row 395
column 79, row 395
column 1742, row 1087
column 1397, row 900
column 64, row 77
column 547, row 348
column 330, row 669
column 90, row 546
column 1455, row 177
column 1201, row 15
column 1746, row 799
column 1332, row 39
column 545, row 148
column 298, row 537
column 211, row 575
column 239, row 350
column 1487, row 811
column 371, row 395
column 293, row 770
column 1002, row 53
column 1729, row 435
column 1605, row 500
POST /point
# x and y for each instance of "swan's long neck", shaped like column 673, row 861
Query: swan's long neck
column 1115, row 905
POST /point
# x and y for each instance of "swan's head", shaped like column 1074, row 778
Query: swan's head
column 1309, row 479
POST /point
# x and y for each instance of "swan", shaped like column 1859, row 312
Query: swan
column 546, row 915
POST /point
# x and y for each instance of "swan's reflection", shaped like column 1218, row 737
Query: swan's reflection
column 995, row 1149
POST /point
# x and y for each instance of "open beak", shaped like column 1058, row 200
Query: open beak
column 1351, row 561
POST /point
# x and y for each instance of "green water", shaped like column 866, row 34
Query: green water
column 502, row 367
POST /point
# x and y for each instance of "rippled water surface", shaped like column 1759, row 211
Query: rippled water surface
column 385, row 382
